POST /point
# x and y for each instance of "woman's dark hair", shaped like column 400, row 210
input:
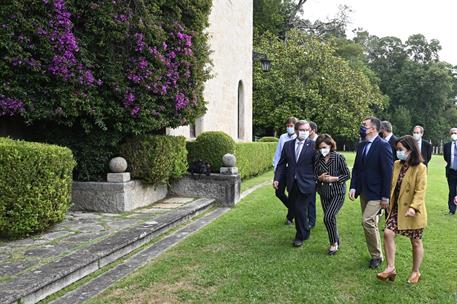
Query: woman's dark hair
column 325, row 138
column 415, row 157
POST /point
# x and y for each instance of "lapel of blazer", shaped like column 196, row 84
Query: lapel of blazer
column 395, row 173
column 292, row 150
column 303, row 150
column 372, row 149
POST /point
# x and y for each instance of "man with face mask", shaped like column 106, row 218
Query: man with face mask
column 450, row 156
column 425, row 148
column 387, row 135
column 281, row 191
column 312, row 207
column 371, row 177
column 296, row 165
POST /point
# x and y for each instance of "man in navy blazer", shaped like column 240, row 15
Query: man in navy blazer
column 450, row 156
column 296, row 166
column 371, row 177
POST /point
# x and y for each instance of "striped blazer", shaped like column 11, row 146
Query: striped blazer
column 336, row 166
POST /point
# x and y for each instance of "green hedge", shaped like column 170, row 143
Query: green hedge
column 268, row 139
column 210, row 147
column 156, row 158
column 254, row 158
column 35, row 186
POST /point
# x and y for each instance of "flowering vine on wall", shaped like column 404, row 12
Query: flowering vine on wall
column 128, row 66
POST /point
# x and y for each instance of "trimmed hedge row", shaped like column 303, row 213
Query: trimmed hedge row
column 156, row 158
column 35, row 186
column 254, row 158
column 269, row 139
column 210, row 147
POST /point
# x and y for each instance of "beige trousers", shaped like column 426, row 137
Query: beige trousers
column 370, row 218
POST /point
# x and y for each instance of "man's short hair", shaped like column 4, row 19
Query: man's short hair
column 300, row 123
column 375, row 122
column 313, row 126
column 452, row 130
column 291, row 120
column 419, row 127
column 386, row 125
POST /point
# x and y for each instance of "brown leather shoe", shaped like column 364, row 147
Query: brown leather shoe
column 414, row 278
column 387, row 275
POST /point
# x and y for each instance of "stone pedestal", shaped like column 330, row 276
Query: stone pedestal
column 118, row 177
column 113, row 197
column 224, row 188
column 229, row 170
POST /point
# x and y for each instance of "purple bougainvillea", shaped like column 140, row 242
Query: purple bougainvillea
column 10, row 106
column 65, row 62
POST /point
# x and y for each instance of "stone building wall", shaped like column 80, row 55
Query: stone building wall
column 229, row 93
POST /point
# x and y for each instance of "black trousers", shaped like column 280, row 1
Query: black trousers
column 300, row 204
column 312, row 211
column 281, row 194
column 452, row 184
column 331, row 206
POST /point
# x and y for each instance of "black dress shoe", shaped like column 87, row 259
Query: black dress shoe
column 449, row 213
column 297, row 243
column 374, row 263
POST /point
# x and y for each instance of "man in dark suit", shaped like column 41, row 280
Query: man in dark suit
column 312, row 207
column 371, row 177
column 450, row 156
column 387, row 135
column 425, row 147
column 296, row 166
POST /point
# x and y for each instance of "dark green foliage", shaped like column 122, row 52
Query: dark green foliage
column 254, row 158
column 134, row 72
column 155, row 158
column 210, row 147
column 35, row 186
column 269, row 139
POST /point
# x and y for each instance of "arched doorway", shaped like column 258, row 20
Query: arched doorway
column 241, row 115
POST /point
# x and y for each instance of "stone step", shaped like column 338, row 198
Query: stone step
column 50, row 278
column 108, row 278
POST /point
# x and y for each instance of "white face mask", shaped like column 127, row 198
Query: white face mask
column 290, row 131
column 303, row 135
column 454, row 137
column 417, row 136
column 401, row 155
column 325, row 151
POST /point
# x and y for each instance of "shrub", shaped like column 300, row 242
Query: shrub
column 254, row 158
column 96, row 68
column 35, row 186
column 156, row 158
column 269, row 139
column 210, row 147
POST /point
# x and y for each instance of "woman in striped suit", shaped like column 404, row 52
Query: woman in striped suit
column 331, row 173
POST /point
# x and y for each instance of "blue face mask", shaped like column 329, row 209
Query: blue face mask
column 363, row 132
column 290, row 131
column 401, row 155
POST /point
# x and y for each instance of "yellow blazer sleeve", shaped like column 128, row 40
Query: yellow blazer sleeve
column 418, row 200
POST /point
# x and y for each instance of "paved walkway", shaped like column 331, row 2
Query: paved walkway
column 84, row 236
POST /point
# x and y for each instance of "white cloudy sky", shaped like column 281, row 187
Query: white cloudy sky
column 400, row 18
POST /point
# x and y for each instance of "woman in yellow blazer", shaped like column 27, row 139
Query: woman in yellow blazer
column 407, row 213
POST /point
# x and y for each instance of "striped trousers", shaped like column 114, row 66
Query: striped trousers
column 331, row 206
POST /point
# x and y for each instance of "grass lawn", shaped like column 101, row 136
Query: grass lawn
column 246, row 256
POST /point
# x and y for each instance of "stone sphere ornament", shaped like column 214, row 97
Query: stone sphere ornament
column 229, row 160
column 118, row 165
